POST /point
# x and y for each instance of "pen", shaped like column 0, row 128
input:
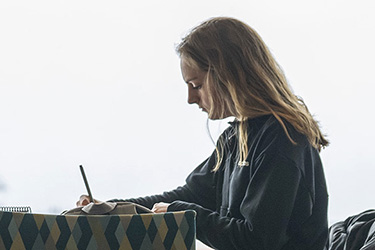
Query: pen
column 86, row 183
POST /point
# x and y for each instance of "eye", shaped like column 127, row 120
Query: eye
column 194, row 86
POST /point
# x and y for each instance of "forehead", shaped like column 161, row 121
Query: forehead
column 190, row 70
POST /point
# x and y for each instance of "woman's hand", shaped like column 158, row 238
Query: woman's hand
column 85, row 200
column 160, row 207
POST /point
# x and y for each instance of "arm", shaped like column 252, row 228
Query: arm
column 180, row 193
column 183, row 193
column 200, row 191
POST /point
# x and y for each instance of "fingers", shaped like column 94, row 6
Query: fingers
column 160, row 207
column 83, row 201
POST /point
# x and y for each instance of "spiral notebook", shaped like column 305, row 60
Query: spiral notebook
column 23, row 209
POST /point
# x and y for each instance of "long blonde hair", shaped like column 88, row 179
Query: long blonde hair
column 244, row 79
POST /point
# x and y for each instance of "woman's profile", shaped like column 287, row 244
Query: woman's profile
column 263, row 187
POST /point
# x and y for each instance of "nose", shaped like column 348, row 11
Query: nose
column 192, row 95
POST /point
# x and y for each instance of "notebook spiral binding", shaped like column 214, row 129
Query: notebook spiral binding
column 24, row 209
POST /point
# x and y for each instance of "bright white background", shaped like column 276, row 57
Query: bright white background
column 98, row 83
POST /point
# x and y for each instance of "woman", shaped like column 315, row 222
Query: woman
column 263, row 187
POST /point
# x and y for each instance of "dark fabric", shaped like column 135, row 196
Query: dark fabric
column 355, row 233
column 277, row 202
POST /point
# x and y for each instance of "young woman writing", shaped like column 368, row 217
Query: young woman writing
column 263, row 187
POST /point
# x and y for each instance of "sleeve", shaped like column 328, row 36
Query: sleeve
column 266, row 208
column 180, row 193
column 186, row 193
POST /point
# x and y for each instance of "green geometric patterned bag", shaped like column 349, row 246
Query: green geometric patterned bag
column 171, row 230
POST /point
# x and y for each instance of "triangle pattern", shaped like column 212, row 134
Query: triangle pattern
column 171, row 230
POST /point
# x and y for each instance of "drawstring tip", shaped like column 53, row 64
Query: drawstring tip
column 243, row 163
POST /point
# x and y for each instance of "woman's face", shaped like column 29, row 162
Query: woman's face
column 197, row 87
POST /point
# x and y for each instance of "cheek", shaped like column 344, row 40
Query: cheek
column 204, row 98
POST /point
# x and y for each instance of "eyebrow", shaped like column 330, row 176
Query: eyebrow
column 191, row 79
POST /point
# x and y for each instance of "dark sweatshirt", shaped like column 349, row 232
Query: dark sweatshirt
column 278, row 201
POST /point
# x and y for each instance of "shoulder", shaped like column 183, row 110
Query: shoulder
column 268, row 135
